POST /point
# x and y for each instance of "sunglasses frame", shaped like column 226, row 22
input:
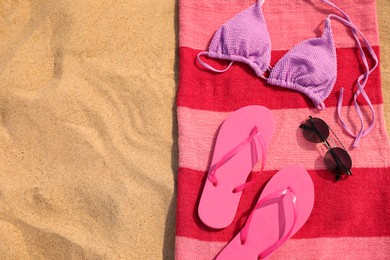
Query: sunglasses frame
column 328, row 146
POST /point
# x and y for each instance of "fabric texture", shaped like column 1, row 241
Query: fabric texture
column 350, row 217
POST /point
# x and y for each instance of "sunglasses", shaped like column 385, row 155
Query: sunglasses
column 336, row 159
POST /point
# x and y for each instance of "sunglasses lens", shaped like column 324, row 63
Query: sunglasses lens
column 315, row 130
column 337, row 160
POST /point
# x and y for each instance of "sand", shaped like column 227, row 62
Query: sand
column 88, row 134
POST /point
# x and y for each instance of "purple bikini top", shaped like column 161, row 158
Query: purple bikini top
column 310, row 67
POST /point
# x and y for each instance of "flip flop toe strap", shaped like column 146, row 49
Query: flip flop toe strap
column 254, row 135
column 260, row 203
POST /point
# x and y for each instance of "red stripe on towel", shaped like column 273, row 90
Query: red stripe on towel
column 358, row 206
column 239, row 86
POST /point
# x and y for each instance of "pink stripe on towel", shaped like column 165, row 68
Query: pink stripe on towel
column 289, row 22
column 197, row 129
column 316, row 248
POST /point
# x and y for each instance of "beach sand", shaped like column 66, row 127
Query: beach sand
column 88, row 131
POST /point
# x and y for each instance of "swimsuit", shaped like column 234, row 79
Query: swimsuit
column 310, row 67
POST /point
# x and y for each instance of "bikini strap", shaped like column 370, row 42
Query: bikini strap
column 362, row 79
column 208, row 66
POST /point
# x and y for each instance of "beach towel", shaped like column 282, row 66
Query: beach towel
column 350, row 218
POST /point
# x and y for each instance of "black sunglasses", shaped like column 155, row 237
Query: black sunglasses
column 336, row 159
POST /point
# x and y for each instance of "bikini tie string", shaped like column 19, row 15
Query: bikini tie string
column 361, row 81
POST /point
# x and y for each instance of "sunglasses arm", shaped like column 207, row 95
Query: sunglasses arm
column 327, row 144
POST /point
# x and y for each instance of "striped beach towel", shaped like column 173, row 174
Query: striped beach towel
column 350, row 218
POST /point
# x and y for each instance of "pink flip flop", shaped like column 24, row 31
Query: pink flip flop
column 243, row 136
column 282, row 209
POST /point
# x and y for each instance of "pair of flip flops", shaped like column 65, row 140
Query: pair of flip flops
column 284, row 205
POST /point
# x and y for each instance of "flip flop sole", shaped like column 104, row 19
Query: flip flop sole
column 218, row 204
column 271, row 221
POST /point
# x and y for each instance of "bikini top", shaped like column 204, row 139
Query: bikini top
column 310, row 67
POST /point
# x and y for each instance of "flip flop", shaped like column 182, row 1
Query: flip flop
column 242, row 137
column 282, row 209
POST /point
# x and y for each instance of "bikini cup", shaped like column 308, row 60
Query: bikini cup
column 310, row 67
column 244, row 38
